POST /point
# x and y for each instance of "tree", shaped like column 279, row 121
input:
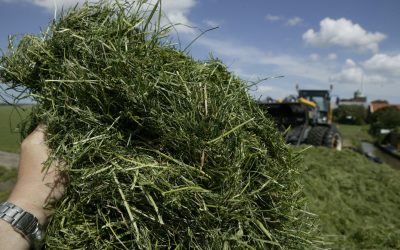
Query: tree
column 350, row 114
column 385, row 118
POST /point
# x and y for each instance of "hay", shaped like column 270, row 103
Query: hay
column 162, row 151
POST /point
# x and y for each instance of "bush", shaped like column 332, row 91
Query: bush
column 350, row 114
column 384, row 118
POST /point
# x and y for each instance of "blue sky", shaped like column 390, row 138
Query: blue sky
column 353, row 45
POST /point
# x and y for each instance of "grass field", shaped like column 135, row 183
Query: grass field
column 357, row 201
column 10, row 117
column 353, row 134
column 7, row 180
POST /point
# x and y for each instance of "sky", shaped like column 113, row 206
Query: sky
column 349, row 44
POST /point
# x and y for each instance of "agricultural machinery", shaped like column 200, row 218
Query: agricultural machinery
column 306, row 118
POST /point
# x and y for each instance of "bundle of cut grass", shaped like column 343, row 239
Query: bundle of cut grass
column 162, row 151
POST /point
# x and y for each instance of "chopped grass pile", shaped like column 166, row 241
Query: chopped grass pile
column 162, row 151
column 358, row 201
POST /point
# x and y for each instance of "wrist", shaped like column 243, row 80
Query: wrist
column 11, row 239
column 22, row 221
column 36, row 210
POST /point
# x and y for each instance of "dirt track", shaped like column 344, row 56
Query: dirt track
column 9, row 160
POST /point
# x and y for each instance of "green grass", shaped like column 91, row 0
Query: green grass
column 10, row 117
column 353, row 134
column 356, row 200
column 7, row 180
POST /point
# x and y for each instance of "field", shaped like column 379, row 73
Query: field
column 9, row 133
column 353, row 134
column 356, row 201
column 7, row 180
column 9, row 141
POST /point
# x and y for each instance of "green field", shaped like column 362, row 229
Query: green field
column 10, row 117
column 357, row 201
column 353, row 134
column 7, row 180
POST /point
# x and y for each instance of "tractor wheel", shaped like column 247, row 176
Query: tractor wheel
column 333, row 139
column 316, row 135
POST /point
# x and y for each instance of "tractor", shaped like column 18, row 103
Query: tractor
column 306, row 118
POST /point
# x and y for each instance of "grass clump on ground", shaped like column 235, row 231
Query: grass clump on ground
column 357, row 200
column 162, row 151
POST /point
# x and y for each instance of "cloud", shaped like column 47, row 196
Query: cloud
column 288, row 21
column 212, row 23
column 350, row 63
column 48, row 4
column 262, row 89
column 384, row 63
column 176, row 12
column 273, row 18
column 332, row 57
column 343, row 32
column 314, row 57
column 251, row 58
column 294, row 21
column 352, row 73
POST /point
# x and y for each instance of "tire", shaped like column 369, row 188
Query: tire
column 316, row 135
column 333, row 139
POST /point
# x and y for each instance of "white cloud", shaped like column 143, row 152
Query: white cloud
column 50, row 4
column 176, row 12
column 345, row 33
column 294, row 21
column 384, row 63
column 251, row 57
column 332, row 57
column 350, row 63
column 262, row 89
column 212, row 23
column 288, row 21
column 314, row 57
column 349, row 76
column 273, row 18
column 351, row 73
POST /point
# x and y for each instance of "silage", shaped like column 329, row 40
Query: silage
column 162, row 151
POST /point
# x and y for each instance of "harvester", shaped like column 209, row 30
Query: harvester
column 306, row 118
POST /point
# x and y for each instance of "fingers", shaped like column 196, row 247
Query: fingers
column 37, row 137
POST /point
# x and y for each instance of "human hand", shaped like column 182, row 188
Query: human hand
column 37, row 188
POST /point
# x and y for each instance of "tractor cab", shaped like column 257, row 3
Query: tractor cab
column 323, row 105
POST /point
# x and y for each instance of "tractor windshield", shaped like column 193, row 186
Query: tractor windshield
column 321, row 98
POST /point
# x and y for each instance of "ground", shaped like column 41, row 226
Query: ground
column 9, row 160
